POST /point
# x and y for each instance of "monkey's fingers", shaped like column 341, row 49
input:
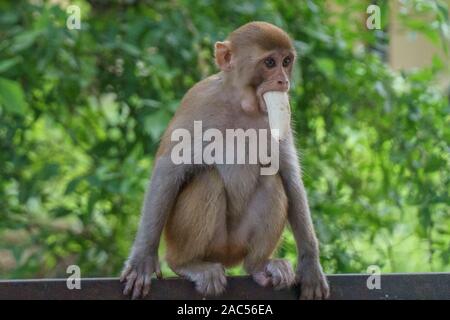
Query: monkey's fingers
column 125, row 273
column 138, row 284
column 147, row 283
column 158, row 271
column 130, row 282
column 306, row 293
column 314, row 291
column 322, row 291
column 326, row 291
column 318, row 294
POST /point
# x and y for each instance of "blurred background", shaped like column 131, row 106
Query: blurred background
column 82, row 111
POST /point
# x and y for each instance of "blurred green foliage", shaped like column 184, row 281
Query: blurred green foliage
column 81, row 112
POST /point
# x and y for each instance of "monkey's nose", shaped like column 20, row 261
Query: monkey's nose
column 283, row 85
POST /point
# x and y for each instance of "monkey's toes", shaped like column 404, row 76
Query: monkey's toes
column 211, row 282
column 278, row 273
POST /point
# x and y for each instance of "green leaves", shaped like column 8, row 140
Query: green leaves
column 24, row 41
column 7, row 64
column 326, row 66
column 12, row 98
column 156, row 123
column 82, row 112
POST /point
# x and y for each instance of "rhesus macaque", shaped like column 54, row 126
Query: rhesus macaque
column 217, row 216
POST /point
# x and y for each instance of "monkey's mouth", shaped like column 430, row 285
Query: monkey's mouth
column 279, row 113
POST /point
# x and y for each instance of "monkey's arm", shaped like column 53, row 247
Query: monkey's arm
column 159, row 199
column 160, row 196
column 309, row 271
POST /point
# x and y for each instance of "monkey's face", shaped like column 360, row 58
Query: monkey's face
column 273, row 71
column 272, row 82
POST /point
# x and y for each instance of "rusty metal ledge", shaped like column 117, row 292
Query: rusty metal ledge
column 343, row 287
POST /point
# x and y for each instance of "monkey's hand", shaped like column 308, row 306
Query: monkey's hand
column 137, row 274
column 313, row 283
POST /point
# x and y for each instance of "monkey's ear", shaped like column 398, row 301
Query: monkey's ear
column 222, row 53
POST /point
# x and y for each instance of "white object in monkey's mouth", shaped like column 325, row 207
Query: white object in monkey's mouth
column 279, row 112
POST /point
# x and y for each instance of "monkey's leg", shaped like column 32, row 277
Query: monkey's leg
column 266, row 218
column 196, row 224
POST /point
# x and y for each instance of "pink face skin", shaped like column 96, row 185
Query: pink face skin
column 275, row 69
column 267, row 70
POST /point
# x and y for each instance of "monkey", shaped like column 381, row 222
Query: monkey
column 220, row 215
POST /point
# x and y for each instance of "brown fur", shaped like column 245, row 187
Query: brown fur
column 197, row 228
column 263, row 34
column 221, row 215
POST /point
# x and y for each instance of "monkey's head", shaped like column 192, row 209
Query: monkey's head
column 258, row 55
column 257, row 58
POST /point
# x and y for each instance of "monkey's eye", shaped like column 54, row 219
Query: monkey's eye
column 286, row 61
column 270, row 63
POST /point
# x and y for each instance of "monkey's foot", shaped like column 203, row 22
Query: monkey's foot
column 277, row 273
column 209, row 278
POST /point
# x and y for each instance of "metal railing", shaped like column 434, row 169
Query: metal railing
column 343, row 286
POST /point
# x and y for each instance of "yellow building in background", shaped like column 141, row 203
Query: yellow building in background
column 409, row 49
